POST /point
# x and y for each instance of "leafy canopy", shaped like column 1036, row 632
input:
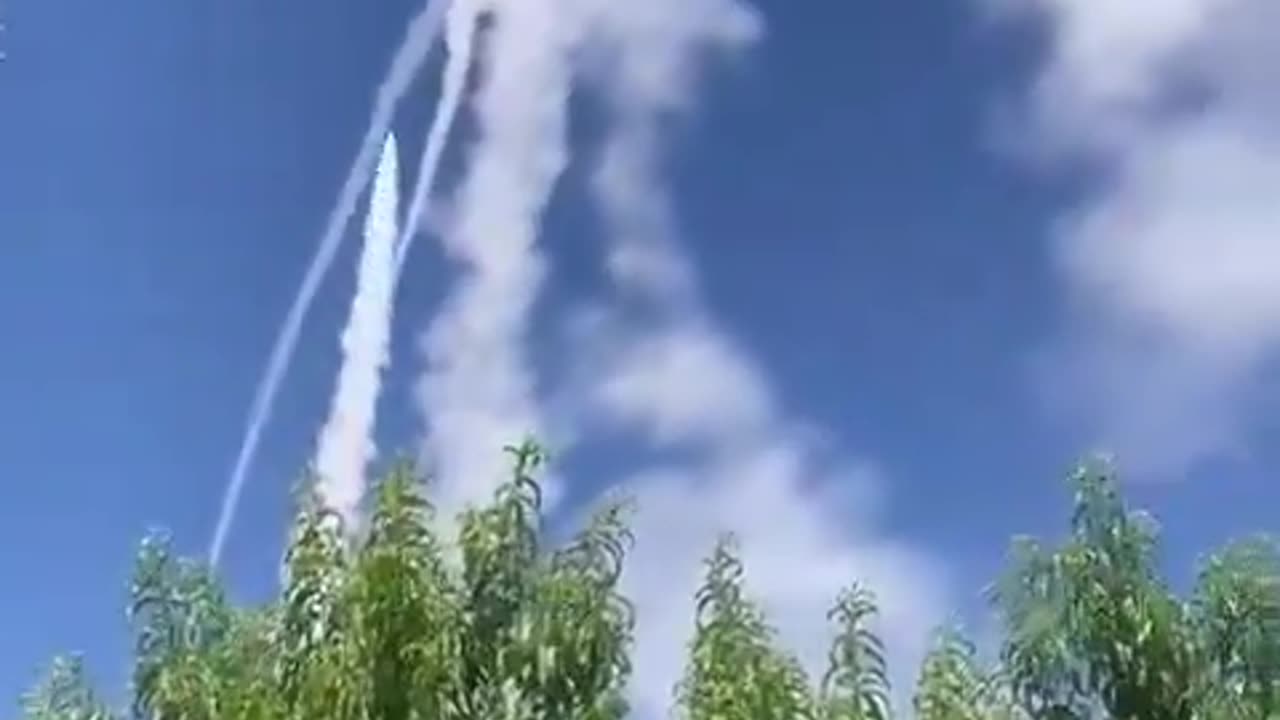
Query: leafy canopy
column 397, row 624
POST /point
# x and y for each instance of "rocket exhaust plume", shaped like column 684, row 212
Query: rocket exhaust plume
column 460, row 32
column 420, row 37
column 346, row 442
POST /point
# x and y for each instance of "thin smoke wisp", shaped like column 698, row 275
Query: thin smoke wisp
column 346, row 443
column 460, row 31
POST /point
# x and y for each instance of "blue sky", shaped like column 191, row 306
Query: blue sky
column 938, row 237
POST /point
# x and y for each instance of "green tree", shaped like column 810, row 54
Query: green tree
column 1236, row 612
column 856, row 684
column 735, row 671
column 951, row 685
column 1091, row 627
column 398, row 625
column 1094, row 631
column 64, row 694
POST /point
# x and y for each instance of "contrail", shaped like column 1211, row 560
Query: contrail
column 460, row 31
column 413, row 52
column 346, row 442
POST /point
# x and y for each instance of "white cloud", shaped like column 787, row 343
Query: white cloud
column 1173, row 263
column 1187, row 240
column 805, row 518
column 686, row 384
column 804, row 512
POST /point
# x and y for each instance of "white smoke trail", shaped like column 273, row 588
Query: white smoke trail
column 460, row 31
column 477, row 394
column 346, row 442
column 420, row 37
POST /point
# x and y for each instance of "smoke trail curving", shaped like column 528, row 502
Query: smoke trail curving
column 420, row 36
column 460, row 31
column 346, row 442
column 478, row 391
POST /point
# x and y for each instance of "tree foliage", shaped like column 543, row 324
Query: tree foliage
column 736, row 671
column 498, row 624
column 1093, row 631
